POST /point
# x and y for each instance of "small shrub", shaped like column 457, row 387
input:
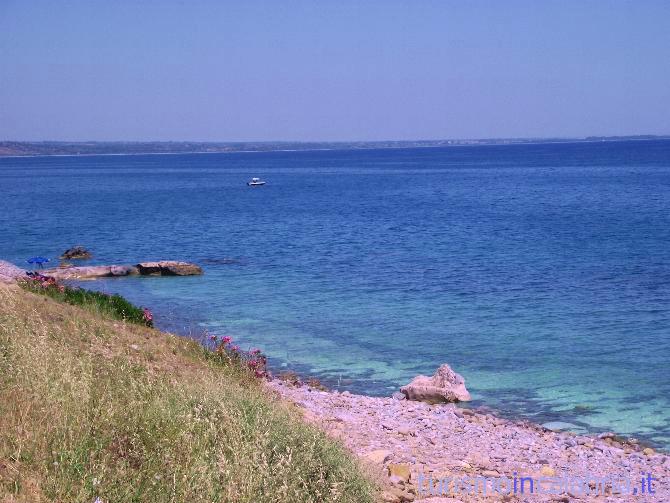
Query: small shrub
column 223, row 351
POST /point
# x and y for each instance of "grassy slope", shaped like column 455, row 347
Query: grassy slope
column 92, row 407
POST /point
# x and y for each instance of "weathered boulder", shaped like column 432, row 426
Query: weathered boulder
column 168, row 268
column 445, row 386
column 9, row 273
column 76, row 252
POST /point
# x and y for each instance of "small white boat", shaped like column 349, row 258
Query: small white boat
column 255, row 182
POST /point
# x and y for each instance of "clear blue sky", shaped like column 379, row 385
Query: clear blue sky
column 332, row 70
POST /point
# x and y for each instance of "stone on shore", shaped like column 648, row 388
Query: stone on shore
column 168, row 268
column 76, row 252
column 445, row 386
column 379, row 456
column 547, row 471
column 401, row 471
column 9, row 273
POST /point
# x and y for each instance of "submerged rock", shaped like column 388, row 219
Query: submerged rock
column 168, row 268
column 222, row 261
column 76, row 252
column 445, row 386
column 561, row 426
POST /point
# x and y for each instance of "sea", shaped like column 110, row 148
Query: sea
column 540, row 272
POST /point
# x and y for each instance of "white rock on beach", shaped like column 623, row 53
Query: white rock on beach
column 445, row 386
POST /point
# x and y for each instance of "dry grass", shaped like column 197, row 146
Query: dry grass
column 91, row 407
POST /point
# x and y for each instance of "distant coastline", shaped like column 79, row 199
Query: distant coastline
column 58, row 148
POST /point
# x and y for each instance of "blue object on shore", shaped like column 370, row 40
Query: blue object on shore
column 40, row 261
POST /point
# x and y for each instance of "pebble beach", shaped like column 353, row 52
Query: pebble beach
column 410, row 443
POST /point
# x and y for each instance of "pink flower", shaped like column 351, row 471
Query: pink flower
column 212, row 337
column 234, row 348
column 252, row 364
column 226, row 340
column 259, row 374
column 255, row 351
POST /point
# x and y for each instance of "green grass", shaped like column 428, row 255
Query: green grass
column 113, row 306
column 96, row 408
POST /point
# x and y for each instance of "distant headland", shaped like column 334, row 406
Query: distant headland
column 39, row 148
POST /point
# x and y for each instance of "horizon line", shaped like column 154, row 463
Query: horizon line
column 307, row 142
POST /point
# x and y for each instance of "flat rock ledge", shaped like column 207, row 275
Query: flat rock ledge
column 168, row 268
column 161, row 268
column 406, row 442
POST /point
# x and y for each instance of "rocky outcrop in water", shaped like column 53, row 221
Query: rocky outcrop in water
column 445, row 386
column 76, row 253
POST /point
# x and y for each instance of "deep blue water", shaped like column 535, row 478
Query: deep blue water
column 539, row 272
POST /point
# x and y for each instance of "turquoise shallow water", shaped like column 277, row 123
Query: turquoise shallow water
column 539, row 272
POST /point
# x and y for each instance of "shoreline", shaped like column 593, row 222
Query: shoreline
column 478, row 406
column 351, row 148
